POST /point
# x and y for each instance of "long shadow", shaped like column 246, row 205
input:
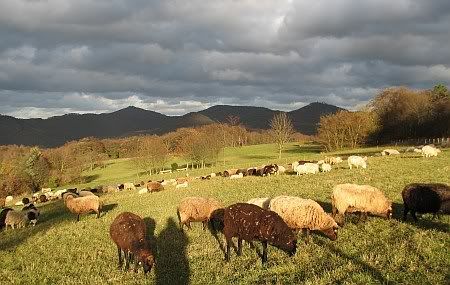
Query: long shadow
column 172, row 265
column 90, row 178
column 151, row 225
column 256, row 156
column 304, row 149
column 422, row 223
column 367, row 268
column 108, row 207
column 52, row 214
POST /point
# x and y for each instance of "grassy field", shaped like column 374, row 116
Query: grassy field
column 59, row 250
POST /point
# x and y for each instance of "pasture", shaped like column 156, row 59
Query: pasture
column 58, row 250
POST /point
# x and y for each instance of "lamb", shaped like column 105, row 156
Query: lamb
column 196, row 209
column 261, row 202
column 390, row 151
column 15, row 219
column 333, row 160
column 129, row 186
column 3, row 216
column 182, row 185
column 429, row 151
column 237, row 176
column 426, row 198
column 325, row 167
column 129, row 233
column 83, row 205
column 307, row 168
column 351, row 198
column 304, row 214
column 357, row 161
column 249, row 222
column 154, row 186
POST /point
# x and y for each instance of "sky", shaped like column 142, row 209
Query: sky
column 174, row 57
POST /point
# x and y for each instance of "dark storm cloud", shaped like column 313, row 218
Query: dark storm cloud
column 60, row 56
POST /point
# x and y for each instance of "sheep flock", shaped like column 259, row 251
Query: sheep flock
column 275, row 221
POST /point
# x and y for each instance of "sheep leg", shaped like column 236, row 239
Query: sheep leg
column 413, row 214
column 405, row 212
column 98, row 214
column 188, row 225
column 119, row 251
column 264, row 256
column 239, row 251
column 308, row 238
column 127, row 260
column 204, row 225
column 333, row 211
column 78, row 218
column 227, row 253
column 136, row 265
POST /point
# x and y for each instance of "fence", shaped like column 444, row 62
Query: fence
column 423, row 141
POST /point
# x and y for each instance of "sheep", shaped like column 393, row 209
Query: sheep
column 46, row 190
column 333, row 160
column 237, row 176
column 84, row 193
column 67, row 194
column 351, row 198
column 250, row 222
column 213, row 175
column 425, row 198
column 304, row 214
column 281, row 170
column 129, row 232
column 182, row 185
column 3, row 216
column 243, row 171
column 196, row 209
column 15, row 219
column 8, row 199
column 154, row 186
column 143, row 191
column 357, row 161
column 390, row 151
column 252, row 171
column 43, row 198
column 32, row 213
column 59, row 193
column 129, row 186
column 417, row 150
column 325, row 167
column 307, row 168
column 25, row 200
column 83, row 205
column 429, row 151
column 229, row 172
column 261, row 202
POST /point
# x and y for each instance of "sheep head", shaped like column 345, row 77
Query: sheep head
column 331, row 233
column 146, row 259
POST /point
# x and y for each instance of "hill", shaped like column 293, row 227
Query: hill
column 57, row 130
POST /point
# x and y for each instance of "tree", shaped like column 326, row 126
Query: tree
column 440, row 91
column 37, row 168
column 282, row 130
column 152, row 154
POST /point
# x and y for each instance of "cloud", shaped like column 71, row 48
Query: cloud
column 60, row 56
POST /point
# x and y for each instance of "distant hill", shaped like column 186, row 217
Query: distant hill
column 57, row 130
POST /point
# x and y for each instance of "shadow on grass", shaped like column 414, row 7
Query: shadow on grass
column 151, row 225
column 257, row 156
column 376, row 274
column 90, row 178
column 422, row 223
column 52, row 214
column 172, row 265
column 301, row 149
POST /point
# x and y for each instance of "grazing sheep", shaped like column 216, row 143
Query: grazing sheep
column 357, row 161
column 333, row 160
column 252, row 171
column 46, row 190
column 230, row 172
column 307, row 168
column 43, row 198
column 143, row 191
column 32, row 213
column 83, row 205
column 8, row 199
column 351, row 198
column 270, row 169
column 154, row 186
column 261, row 202
column 243, row 171
column 237, row 176
column 67, row 194
column 429, row 151
column 129, row 186
column 84, row 193
column 252, row 223
column 129, row 233
column 196, row 209
column 390, row 151
column 417, row 150
column 426, row 198
column 59, row 193
column 15, row 219
column 3, row 216
column 182, row 185
column 304, row 214
column 213, row 175
column 325, row 167
column 25, row 200
column 281, row 169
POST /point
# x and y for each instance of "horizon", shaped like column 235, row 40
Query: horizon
column 62, row 56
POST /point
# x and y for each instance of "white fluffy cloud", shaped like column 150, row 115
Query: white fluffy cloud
column 59, row 56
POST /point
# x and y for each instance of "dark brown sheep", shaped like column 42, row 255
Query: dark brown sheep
column 426, row 198
column 129, row 233
column 249, row 222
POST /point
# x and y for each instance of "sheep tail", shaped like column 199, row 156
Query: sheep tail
column 179, row 219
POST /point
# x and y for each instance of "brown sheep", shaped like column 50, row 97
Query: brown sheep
column 154, row 186
column 129, row 233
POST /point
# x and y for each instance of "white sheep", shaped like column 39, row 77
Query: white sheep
column 143, row 191
column 304, row 214
column 128, row 186
column 237, row 176
column 16, row 219
column 333, row 160
column 196, row 209
column 59, row 193
column 281, row 169
column 8, row 199
column 46, row 190
column 213, row 175
column 294, row 165
column 390, row 151
column 417, row 150
column 364, row 199
column 429, row 151
column 307, row 168
column 261, row 202
column 185, row 184
column 325, row 167
column 357, row 161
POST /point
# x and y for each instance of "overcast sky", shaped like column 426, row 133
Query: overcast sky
column 173, row 57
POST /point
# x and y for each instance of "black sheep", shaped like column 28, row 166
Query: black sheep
column 129, row 233
column 249, row 222
column 243, row 171
column 426, row 198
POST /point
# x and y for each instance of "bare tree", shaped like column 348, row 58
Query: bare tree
column 282, row 130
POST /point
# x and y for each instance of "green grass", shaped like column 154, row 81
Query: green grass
column 60, row 251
